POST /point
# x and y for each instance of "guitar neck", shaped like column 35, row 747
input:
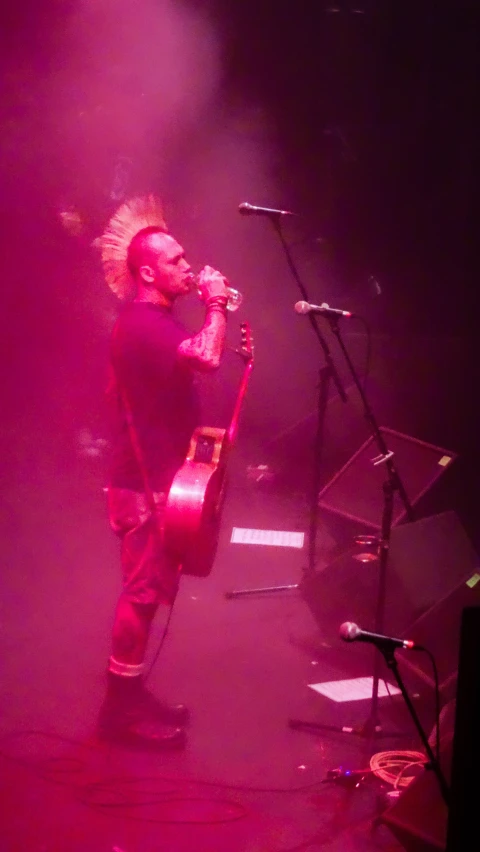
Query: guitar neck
column 233, row 428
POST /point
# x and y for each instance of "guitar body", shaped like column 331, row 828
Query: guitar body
column 195, row 500
column 194, row 504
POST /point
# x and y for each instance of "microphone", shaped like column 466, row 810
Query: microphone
column 326, row 310
column 351, row 632
column 247, row 209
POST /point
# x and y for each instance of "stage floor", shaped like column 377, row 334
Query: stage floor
column 247, row 781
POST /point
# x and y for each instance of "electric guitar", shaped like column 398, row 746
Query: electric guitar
column 195, row 500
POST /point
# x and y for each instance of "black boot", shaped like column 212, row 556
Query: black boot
column 131, row 715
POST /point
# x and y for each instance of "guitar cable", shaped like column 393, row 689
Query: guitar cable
column 162, row 637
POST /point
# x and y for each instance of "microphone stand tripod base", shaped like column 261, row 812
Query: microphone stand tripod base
column 238, row 593
column 370, row 730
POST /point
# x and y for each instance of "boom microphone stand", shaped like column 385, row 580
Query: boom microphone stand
column 392, row 485
column 327, row 374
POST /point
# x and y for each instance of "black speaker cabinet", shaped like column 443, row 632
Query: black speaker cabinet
column 438, row 630
column 433, row 557
column 442, row 570
column 356, row 491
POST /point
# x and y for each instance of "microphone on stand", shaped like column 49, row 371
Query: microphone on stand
column 326, row 310
column 351, row 632
column 247, row 209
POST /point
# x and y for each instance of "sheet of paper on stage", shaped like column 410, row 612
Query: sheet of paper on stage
column 272, row 538
column 355, row 689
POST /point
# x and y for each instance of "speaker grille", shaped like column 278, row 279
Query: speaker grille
column 356, row 491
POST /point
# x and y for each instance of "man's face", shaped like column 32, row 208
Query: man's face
column 171, row 272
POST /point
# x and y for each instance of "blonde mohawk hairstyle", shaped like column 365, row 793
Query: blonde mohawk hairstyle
column 133, row 216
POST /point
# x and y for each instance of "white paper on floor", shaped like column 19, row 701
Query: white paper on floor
column 273, row 538
column 354, row 689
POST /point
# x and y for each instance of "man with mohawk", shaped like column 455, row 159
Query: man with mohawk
column 153, row 361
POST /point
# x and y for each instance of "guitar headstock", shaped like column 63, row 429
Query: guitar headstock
column 246, row 350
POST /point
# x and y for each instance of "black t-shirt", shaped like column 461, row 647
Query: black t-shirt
column 161, row 392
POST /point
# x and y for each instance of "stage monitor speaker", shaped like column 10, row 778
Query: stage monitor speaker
column 419, row 817
column 438, row 630
column 356, row 491
column 431, row 557
column 430, row 563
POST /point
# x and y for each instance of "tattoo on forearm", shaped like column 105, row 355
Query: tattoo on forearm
column 205, row 349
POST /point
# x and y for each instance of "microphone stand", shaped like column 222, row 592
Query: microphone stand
column 327, row 373
column 393, row 484
column 371, row 728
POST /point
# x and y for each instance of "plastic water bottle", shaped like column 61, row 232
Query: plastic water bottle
column 235, row 299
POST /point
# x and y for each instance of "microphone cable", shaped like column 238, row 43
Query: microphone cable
column 391, row 766
column 162, row 637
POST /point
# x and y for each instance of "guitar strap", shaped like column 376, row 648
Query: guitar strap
column 150, row 497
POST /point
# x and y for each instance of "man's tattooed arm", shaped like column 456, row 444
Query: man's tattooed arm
column 204, row 351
